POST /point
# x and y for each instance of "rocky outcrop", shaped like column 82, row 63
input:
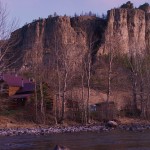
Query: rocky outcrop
column 126, row 30
column 147, row 35
column 39, row 41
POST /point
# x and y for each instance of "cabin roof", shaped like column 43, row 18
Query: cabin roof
column 13, row 80
column 20, row 96
column 26, row 87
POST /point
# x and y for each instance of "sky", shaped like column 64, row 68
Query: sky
column 28, row 10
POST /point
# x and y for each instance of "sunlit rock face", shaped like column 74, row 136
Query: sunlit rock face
column 126, row 30
column 39, row 41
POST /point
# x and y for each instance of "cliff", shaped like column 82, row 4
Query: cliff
column 65, row 44
column 39, row 41
column 126, row 30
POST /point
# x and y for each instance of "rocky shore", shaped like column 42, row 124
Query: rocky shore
column 51, row 130
column 134, row 127
column 71, row 129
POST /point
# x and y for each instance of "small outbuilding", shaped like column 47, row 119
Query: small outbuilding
column 104, row 111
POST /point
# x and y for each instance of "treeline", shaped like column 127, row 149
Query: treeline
column 65, row 71
column 83, row 14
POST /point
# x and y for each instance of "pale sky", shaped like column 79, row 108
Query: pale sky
column 28, row 10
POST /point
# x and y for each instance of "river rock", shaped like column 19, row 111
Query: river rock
column 112, row 124
column 59, row 147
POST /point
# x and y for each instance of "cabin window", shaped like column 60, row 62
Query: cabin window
column 3, row 88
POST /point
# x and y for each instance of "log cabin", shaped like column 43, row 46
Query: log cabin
column 16, row 87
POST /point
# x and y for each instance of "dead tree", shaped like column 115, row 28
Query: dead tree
column 138, row 87
column 7, row 56
column 89, row 61
column 83, row 88
column 67, row 69
column 136, row 74
column 147, row 102
column 113, row 51
column 92, row 43
column 141, row 75
column 112, row 48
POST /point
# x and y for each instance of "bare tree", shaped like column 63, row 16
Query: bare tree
column 83, row 65
column 92, row 43
column 112, row 52
column 63, row 66
column 147, row 101
column 136, row 60
column 7, row 26
column 88, row 73
column 113, row 47
column 143, row 81
column 58, row 93
column 141, row 72
column 67, row 70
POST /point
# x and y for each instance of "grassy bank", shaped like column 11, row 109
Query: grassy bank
column 11, row 122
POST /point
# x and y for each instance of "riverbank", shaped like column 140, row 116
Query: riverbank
column 71, row 129
column 11, row 128
column 51, row 130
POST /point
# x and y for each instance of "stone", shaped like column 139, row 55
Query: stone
column 59, row 147
column 112, row 124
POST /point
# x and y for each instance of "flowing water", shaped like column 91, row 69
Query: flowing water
column 114, row 140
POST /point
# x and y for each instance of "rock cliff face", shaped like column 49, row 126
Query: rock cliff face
column 39, row 41
column 125, row 30
column 147, row 35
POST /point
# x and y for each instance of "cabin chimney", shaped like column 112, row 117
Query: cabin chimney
column 1, row 77
column 22, row 84
column 31, row 80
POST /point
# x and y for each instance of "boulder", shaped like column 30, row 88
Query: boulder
column 60, row 147
column 112, row 124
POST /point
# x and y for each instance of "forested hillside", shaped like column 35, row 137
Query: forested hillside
column 84, row 67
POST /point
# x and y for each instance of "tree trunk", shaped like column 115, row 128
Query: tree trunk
column 42, row 103
column 88, row 84
column 36, row 103
column 134, row 89
column 55, row 110
column 64, row 97
column 59, row 92
column 142, row 98
column 109, row 85
column 84, row 108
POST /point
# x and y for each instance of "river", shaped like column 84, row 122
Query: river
column 114, row 140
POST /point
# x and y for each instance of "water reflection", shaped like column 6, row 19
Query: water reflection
column 116, row 140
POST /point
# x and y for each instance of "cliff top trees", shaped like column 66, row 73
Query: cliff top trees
column 128, row 5
column 145, row 7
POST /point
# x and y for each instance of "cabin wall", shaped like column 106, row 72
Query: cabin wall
column 13, row 90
